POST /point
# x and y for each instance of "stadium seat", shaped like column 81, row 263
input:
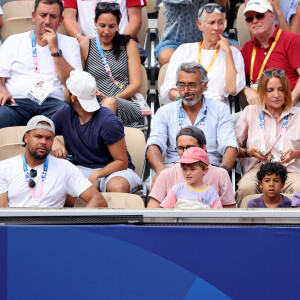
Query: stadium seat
column 135, row 142
column 161, row 76
column 144, row 86
column 242, row 27
column 10, row 150
column 118, row 200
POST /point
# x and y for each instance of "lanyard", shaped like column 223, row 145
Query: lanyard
column 35, row 56
column 36, row 198
column 106, row 66
column 213, row 59
column 266, row 58
column 180, row 118
column 262, row 133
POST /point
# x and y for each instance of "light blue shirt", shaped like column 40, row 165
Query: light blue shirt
column 219, row 131
column 288, row 8
column 181, row 17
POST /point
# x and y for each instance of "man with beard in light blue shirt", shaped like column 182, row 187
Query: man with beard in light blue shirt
column 212, row 116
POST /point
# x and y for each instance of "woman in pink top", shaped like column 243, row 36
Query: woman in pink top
column 269, row 131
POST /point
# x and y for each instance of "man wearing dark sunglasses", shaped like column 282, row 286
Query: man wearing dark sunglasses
column 37, row 179
column 270, row 47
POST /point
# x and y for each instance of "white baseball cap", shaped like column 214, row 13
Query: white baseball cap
column 260, row 6
column 83, row 86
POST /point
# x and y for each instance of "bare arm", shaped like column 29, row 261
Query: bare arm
column 296, row 90
column 71, row 24
column 295, row 19
column 93, row 197
column 3, row 200
column 120, row 161
column 84, row 51
column 156, row 160
column 134, row 69
column 251, row 95
column 134, row 20
column 229, row 157
column 222, row 2
column 153, row 203
column 4, row 94
column 58, row 149
column 230, row 75
column 63, row 69
column 0, row 21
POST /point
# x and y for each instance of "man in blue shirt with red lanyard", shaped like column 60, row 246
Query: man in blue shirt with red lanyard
column 34, row 66
column 210, row 115
column 270, row 47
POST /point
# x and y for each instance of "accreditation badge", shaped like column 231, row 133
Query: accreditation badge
column 40, row 91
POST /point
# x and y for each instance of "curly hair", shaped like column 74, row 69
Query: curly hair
column 272, row 168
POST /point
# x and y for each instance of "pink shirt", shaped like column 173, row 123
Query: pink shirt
column 218, row 178
column 247, row 132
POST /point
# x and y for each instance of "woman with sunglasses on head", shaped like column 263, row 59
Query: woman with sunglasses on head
column 269, row 131
column 113, row 60
column 224, row 63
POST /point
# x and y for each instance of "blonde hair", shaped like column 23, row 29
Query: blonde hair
column 262, row 89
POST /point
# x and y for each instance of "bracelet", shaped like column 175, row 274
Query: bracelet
column 225, row 168
column 245, row 152
column 77, row 36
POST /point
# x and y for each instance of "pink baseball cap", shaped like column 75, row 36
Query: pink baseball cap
column 192, row 155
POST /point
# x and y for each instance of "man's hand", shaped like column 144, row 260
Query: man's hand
column 94, row 179
column 5, row 96
column 253, row 152
column 251, row 95
column 223, row 43
column 289, row 155
column 98, row 93
column 51, row 39
column 58, row 149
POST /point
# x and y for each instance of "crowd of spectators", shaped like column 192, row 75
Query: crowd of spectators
column 193, row 143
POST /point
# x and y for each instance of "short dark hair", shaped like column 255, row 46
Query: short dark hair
column 272, row 168
column 59, row 2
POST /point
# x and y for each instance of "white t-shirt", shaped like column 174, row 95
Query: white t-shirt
column 216, row 87
column 1, row 12
column 62, row 178
column 16, row 63
column 86, row 17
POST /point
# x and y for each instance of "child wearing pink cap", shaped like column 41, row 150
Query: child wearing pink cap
column 193, row 193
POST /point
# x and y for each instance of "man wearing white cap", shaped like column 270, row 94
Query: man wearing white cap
column 270, row 47
column 94, row 137
column 37, row 179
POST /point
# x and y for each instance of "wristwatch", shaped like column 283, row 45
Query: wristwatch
column 58, row 53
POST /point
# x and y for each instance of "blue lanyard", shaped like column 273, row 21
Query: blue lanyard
column 105, row 64
column 180, row 118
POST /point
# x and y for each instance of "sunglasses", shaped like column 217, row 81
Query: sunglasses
column 108, row 5
column 31, row 182
column 277, row 72
column 211, row 8
column 257, row 17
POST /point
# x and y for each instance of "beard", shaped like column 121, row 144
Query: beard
column 37, row 156
column 190, row 102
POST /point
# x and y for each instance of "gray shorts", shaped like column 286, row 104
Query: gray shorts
column 134, row 180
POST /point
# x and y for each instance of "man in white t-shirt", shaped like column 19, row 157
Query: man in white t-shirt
column 34, row 67
column 37, row 179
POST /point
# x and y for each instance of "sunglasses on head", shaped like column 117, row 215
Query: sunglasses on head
column 31, row 182
column 276, row 72
column 257, row 17
column 108, row 5
column 211, row 8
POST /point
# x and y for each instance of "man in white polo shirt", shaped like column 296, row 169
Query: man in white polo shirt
column 37, row 179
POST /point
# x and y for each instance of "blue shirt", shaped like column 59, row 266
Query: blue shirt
column 288, row 8
column 181, row 17
column 88, row 142
column 219, row 131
